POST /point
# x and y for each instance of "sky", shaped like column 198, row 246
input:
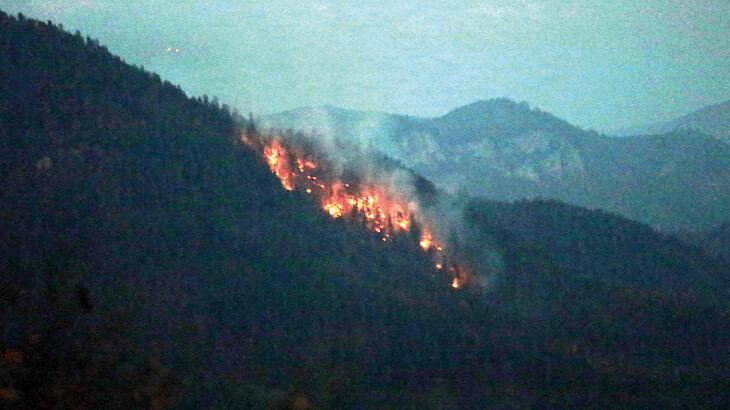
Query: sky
column 598, row 64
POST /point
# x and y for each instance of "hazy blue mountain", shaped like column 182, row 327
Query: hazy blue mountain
column 712, row 120
column 505, row 150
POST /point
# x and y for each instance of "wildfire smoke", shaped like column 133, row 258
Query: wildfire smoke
column 382, row 209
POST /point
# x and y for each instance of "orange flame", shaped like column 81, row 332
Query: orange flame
column 426, row 240
column 335, row 210
column 278, row 161
column 383, row 211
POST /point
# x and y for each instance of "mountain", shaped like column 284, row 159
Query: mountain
column 580, row 276
column 599, row 245
column 148, row 259
column 714, row 241
column 507, row 151
column 713, row 120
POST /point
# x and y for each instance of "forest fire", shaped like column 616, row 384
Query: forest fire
column 279, row 163
column 426, row 240
column 381, row 210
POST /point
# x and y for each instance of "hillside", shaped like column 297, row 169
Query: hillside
column 506, row 151
column 713, row 120
column 599, row 245
column 714, row 241
column 125, row 202
column 149, row 259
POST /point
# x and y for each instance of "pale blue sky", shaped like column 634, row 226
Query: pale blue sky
column 599, row 64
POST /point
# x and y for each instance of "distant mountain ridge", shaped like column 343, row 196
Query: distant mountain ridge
column 713, row 120
column 505, row 150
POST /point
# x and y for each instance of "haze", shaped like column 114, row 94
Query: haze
column 602, row 65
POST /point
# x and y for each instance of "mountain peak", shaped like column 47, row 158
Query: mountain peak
column 489, row 107
column 508, row 116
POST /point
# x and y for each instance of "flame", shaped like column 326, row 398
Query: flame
column 426, row 240
column 278, row 161
column 425, row 243
column 383, row 211
column 303, row 164
column 335, row 210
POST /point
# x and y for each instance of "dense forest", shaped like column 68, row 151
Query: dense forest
column 148, row 259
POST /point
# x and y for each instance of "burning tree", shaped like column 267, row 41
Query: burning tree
column 301, row 165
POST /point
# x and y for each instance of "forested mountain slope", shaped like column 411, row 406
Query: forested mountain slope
column 149, row 259
column 121, row 193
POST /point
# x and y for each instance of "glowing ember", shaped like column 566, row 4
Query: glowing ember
column 456, row 283
column 439, row 265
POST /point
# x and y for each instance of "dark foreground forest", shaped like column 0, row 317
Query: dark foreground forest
column 148, row 259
